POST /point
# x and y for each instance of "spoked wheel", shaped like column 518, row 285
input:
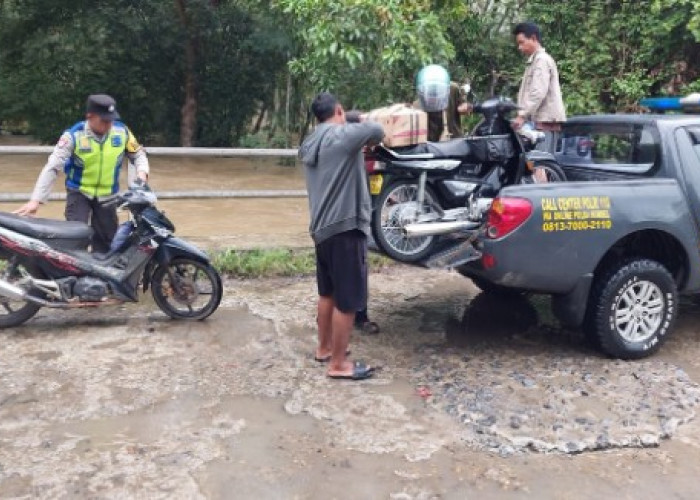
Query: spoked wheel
column 15, row 312
column 545, row 171
column 398, row 206
column 187, row 289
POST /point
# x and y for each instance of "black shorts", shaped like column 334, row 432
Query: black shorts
column 341, row 270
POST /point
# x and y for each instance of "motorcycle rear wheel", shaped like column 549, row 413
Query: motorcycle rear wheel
column 15, row 312
column 187, row 289
column 388, row 220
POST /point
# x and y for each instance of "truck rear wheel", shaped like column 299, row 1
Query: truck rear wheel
column 632, row 308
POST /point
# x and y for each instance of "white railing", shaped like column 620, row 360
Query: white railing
column 210, row 152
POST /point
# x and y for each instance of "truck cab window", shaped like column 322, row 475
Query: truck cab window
column 694, row 135
column 626, row 148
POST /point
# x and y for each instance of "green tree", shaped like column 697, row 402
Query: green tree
column 613, row 52
column 192, row 78
column 485, row 52
column 366, row 51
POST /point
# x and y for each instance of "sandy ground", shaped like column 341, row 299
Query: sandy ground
column 476, row 396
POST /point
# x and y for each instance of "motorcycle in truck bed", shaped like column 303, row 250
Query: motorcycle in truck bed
column 616, row 244
column 430, row 199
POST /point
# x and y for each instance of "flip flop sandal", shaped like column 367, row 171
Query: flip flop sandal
column 369, row 327
column 360, row 371
column 326, row 359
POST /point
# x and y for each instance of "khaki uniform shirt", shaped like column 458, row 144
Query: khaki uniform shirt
column 540, row 95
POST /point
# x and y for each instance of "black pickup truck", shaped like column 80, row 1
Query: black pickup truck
column 615, row 246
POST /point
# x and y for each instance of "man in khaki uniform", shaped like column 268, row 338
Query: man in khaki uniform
column 539, row 97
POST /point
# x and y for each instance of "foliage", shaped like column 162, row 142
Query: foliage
column 485, row 52
column 242, row 59
column 262, row 140
column 52, row 57
column 611, row 53
column 365, row 51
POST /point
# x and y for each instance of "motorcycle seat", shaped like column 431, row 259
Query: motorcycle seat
column 456, row 148
column 46, row 229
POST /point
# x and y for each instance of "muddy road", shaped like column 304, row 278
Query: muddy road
column 476, row 397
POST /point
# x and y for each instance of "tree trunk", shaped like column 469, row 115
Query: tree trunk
column 261, row 117
column 188, row 112
column 287, row 103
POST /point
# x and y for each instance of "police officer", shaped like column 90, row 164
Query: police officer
column 91, row 153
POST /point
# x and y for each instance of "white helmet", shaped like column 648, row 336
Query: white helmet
column 433, row 86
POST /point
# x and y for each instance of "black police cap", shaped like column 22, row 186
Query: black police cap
column 103, row 105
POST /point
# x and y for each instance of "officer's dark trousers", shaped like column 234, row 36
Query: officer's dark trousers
column 103, row 220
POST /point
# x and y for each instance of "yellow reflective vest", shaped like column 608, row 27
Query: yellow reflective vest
column 94, row 166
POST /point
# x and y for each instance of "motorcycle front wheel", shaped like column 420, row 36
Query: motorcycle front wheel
column 187, row 289
column 544, row 172
column 397, row 206
column 15, row 312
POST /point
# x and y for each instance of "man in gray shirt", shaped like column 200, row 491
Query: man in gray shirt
column 341, row 209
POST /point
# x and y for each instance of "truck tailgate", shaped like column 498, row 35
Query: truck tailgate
column 574, row 224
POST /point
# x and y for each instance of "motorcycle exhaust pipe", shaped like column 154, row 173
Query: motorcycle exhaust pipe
column 11, row 291
column 437, row 228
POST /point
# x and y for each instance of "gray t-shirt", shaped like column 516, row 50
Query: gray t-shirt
column 339, row 198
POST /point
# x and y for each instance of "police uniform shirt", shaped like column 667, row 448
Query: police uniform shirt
column 64, row 150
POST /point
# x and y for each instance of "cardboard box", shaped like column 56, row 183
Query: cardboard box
column 403, row 125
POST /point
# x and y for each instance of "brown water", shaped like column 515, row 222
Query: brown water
column 211, row 222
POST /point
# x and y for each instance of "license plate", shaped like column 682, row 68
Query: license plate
column 375, row 184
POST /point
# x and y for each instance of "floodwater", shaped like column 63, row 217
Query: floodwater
column 217, row 222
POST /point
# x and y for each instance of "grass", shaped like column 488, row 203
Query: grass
column 275, row 262
column 268, row 263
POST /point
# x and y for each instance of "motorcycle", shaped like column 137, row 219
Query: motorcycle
column 443, row 190
column 46, row 263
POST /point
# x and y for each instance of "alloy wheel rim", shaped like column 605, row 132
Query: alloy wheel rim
column 639, row 311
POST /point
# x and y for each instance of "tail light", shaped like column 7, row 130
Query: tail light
column 370, row 164
column 505, row 215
